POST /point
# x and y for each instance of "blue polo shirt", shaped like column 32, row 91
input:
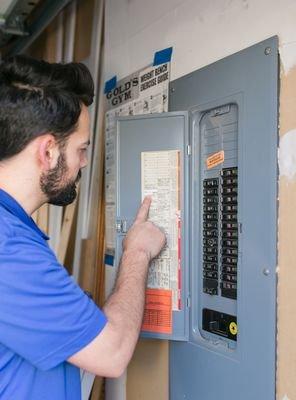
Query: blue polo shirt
column 44, row 316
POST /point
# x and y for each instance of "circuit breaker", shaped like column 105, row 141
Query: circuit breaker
column 222, row 133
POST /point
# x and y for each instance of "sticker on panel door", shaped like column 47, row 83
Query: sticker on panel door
column 160, row 175
column 158, row 311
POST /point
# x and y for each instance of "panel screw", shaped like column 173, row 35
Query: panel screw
column 266, row 271
column 172, row 90
column 267, row 51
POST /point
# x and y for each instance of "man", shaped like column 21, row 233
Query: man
column 48, row 327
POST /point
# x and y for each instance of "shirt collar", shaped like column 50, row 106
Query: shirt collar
column 12, row 206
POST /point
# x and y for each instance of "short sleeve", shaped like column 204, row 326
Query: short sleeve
column 44, row 315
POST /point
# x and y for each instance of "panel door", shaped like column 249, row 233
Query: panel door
column 152, row 155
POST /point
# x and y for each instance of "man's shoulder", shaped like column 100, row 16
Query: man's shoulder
column 18, row 239
column 11, row 227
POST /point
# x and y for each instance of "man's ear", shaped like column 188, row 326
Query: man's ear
column 48, row 151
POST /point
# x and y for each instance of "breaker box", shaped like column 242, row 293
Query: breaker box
column 218, row 146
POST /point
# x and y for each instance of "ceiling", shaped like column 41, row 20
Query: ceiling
column 14, row 16
column 5, row 5
column 21, row 21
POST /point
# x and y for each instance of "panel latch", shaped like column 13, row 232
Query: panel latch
column 121, row 226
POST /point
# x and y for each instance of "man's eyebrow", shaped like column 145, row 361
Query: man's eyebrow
column 86, row 143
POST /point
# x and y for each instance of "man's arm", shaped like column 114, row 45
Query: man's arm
column 110, row 352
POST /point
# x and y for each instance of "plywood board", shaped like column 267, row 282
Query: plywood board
column 148, row 372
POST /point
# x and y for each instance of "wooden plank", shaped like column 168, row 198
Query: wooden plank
column 43, row 218
column 96, row 214
column 98, row 119
column 68, row 263
column 92, row 271
column 70, row 26
column 88, row 201
column 55, row 213
column 36, row 49
column 35, row 216
column 99, row 289
column 96, row 393
column 86, row 277
column 67, row 226
column 45, row 48
column 50, row 45
column 84, row 27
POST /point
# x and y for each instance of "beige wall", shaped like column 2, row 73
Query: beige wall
column 286, row 352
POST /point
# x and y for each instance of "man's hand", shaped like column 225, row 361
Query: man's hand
column 144, row 236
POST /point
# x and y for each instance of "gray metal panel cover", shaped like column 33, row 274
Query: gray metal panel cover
column 199, row 370
column 161, row 132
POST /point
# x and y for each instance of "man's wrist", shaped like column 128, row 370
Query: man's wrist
column 138, row 255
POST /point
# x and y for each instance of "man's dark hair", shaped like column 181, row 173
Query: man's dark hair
column 37, row 97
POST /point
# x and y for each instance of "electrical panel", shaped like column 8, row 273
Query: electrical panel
column 222, row 342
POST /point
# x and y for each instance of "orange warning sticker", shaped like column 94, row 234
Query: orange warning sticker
column 215, row 159
column 158, row 311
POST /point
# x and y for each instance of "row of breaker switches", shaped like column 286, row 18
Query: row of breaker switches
column 220, row 234
column 210, row 235
column 229, row 246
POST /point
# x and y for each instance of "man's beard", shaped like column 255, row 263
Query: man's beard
column 58, row 191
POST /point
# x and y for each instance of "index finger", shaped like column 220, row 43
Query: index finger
column 143, row 212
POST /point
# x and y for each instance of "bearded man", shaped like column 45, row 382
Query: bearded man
column 49, row 328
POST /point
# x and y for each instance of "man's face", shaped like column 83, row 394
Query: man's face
column 59, row 183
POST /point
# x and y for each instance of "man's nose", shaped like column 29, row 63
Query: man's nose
column 84, row 162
